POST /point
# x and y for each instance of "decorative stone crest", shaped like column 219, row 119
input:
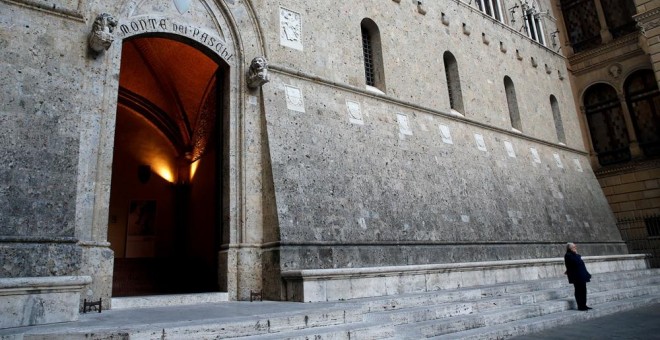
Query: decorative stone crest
column 404, row 125
column 354, row 112
column 481, row 143
column 294, row 98
column 290, row 29
column 258, row 72
column 102, row 34
column 445, row 134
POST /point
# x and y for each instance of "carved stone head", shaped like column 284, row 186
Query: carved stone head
column 615, row 70
column 102, row 35
column 258, row 73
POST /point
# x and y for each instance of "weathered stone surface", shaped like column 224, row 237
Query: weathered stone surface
column 313, row 285
column 39, row 259
column 30, row 301
column 318, row 170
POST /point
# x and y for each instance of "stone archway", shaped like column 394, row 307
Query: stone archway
column 228, row 34
column 164, row 222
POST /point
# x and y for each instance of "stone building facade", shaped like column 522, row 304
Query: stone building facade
column 612, row 49
column 310, row 150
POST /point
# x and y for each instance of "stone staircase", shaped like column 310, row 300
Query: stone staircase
column 484, row 312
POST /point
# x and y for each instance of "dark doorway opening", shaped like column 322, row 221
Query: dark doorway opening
column 164, row 220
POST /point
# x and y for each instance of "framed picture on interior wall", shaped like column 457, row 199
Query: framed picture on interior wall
column 141, row 218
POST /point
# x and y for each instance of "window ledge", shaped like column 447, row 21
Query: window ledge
column 456, row 113
column 374, row 89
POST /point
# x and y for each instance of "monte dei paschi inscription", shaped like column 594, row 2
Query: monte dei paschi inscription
column 150, row 24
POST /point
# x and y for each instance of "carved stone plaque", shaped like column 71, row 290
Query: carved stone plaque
column 294, row 98
column 535, row 155
column 290, row 29
column 578, row 166
column 558, row 160
column 354, row 112
column 445, row 134
column 509, row 149
column 481, row 144
column 404, row 125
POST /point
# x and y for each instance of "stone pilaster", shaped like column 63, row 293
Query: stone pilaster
column 648, row 19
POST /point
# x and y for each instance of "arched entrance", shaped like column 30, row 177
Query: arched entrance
column 165, row 201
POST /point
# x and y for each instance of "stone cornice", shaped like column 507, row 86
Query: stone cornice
column 606, row 48
column 648, row 15
column 627, row 168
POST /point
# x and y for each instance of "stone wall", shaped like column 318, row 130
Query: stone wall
column 319, row 171
column 632, row 190
column 370, row 179
column 39, row 146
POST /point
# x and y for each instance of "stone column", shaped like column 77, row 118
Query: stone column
column 648, row 19
column 605, row 34
column 635, row 151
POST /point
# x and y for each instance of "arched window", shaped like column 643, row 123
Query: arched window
column 512, row 102
column 453, row 82
column 373, row 55
column 556, row 115
column 492, row 8
column 643, row 99
column 606, row 124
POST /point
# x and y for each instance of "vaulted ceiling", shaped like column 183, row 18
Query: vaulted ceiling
column 173, row 86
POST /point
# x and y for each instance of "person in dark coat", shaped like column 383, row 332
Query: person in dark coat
column 577, row 275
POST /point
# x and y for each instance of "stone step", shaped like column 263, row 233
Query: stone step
column 425, row 312
column 474, row 293
column 380, row 325
column 540, row 323
column 365, row 330
column 168, row 300
column 405, row 316
column 263, row 325
column 507, row 314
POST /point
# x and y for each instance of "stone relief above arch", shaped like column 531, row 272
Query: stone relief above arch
column 198, row 13
column 146, row 24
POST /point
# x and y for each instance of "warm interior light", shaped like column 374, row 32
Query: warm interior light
column 162, row 170
column 193, row 169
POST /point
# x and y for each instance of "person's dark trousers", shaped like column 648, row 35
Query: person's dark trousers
column 581, row 294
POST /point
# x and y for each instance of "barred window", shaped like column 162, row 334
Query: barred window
column 368, row 58
column 512, row 102
column 607, row 126
column 453, row 82
column 556, row 115
column 373, row 59
column 643, row 100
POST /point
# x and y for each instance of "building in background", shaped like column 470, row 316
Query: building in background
column 612, row 50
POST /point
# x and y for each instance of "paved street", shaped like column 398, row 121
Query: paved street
column 642, row 323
